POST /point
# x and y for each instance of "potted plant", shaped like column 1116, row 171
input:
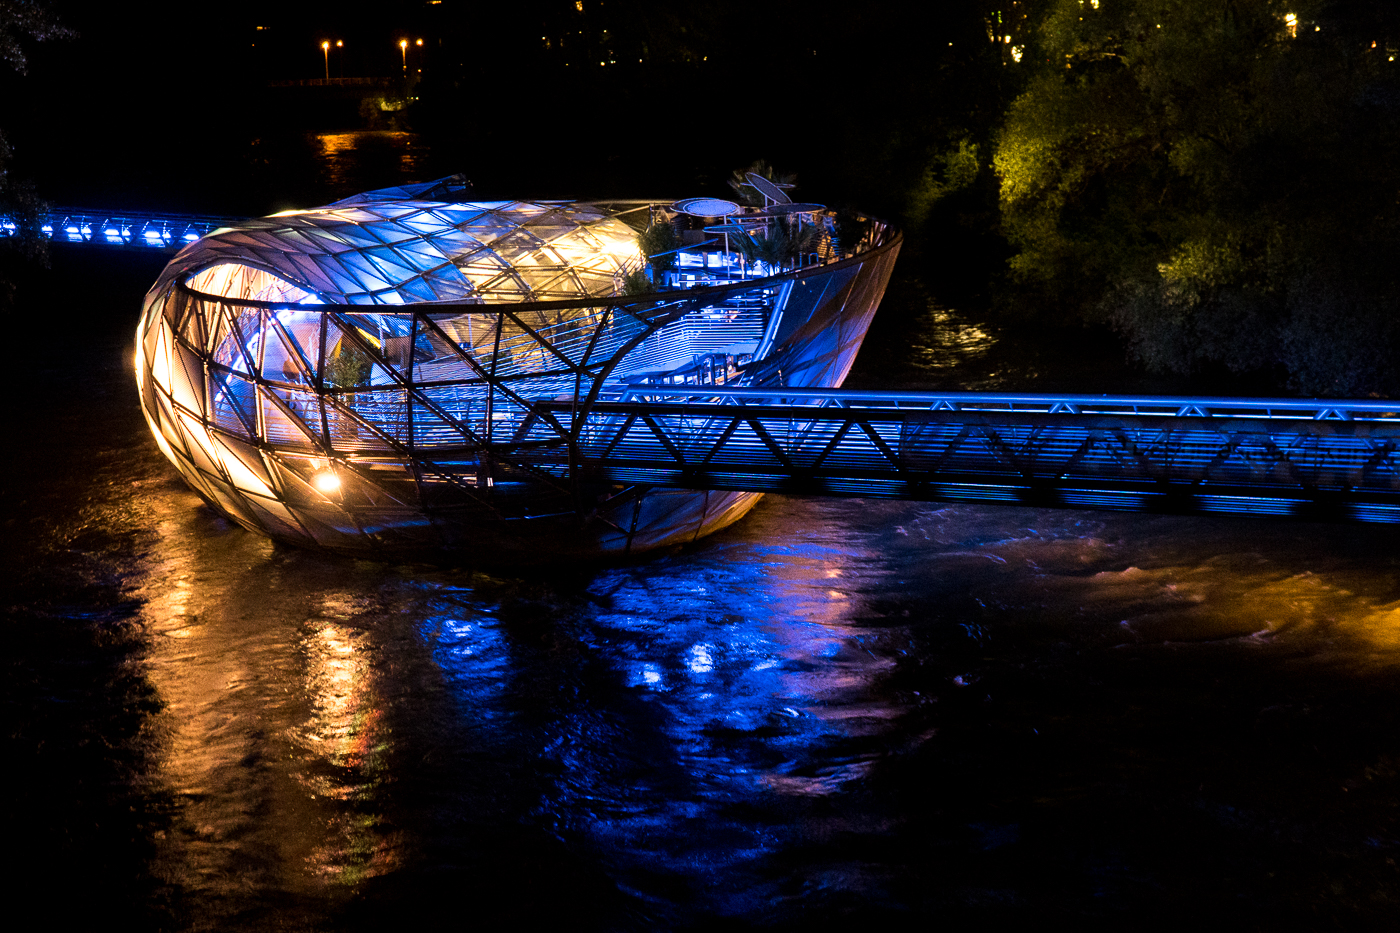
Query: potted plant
column 347, row 367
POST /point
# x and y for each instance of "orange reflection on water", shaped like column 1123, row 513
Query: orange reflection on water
column 272, row 738
column 344, row 730
column 346, row 157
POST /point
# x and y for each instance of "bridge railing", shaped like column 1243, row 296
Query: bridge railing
column 1156, row 406
column 135, row 229
column 1301, row 458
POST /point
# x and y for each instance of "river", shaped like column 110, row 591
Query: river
column 834, row 712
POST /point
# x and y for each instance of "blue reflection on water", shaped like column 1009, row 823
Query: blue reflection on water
column 736, row 678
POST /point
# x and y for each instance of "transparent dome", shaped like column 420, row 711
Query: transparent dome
column 367, row 251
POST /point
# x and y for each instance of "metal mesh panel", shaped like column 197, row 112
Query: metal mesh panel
column 328, row 394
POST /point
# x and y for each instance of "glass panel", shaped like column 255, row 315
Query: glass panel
column 235, row 404
column 301, row 428
column 281, row 362
column 242, row 465
column 277, row 520
column 187, row 379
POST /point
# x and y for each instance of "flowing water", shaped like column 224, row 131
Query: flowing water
column 836, row 711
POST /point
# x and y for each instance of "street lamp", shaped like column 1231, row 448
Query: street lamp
column 326, row 53
column 403, row 48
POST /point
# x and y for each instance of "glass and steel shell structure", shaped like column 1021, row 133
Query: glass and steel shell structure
column 367, row 377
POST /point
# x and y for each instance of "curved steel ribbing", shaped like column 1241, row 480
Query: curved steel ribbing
column 440, row 430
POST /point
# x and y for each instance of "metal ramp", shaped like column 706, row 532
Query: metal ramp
column 1297, row 458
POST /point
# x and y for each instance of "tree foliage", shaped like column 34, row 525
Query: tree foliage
column 1218, row 179
column 21, row 20
column 658, row 244
column 348, row 367
column 637, row 283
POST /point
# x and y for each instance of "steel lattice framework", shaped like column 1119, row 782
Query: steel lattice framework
column 307, row 377
column 1334, row 460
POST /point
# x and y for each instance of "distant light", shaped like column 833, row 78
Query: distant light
column 191, row 236
column 325, row 45
column 403, row 43
column 419, row 42
column 326, row 482
column 340, row 43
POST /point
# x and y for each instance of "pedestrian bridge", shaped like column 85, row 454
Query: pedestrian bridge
column 1296, row 458
column 166, row 233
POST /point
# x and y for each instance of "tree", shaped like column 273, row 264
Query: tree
column 1216, row 179
column 20, row 20
column 659, row 243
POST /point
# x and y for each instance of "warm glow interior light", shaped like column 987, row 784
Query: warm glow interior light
column 326, row 482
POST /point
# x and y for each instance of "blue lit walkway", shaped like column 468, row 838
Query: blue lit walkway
column 122, row 229
column 1331, row 460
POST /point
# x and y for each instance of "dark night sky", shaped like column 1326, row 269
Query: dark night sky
column 157, row 105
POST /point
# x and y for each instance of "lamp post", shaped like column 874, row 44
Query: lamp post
column 326, row 53
column 403, row 48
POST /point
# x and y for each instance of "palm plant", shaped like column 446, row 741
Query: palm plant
column 781, row 246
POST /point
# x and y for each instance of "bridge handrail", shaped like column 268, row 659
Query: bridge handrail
column 166, row 232
column 1166, row 406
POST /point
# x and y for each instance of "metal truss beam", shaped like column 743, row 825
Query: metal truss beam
column 1307, row 459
